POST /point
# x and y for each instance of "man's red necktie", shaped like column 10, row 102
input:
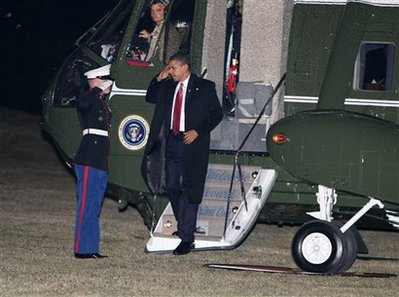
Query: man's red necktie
column 177, row 111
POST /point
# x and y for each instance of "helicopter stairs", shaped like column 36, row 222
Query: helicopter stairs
column 225, row 218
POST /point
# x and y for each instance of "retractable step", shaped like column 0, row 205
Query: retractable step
column 214, row 231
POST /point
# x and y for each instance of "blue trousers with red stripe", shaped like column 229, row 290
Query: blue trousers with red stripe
column 91, row 184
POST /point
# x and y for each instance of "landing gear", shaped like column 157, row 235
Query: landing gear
column 352, row 246
column 326, row 246
column 320, row 246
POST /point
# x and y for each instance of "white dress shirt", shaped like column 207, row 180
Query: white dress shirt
column 182, row 126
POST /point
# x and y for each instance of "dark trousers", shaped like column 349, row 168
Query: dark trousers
column 184, row 211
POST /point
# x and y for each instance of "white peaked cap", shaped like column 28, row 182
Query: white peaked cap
column 101, row 71
column 164, row 2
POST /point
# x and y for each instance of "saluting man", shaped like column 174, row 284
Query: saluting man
column 176, row 156
column 91, row 162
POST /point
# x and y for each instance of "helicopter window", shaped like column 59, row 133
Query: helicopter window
column 163, row 30
column 105, row 41
column 71, row 81
column 375, row 66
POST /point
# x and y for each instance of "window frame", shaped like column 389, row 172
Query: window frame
column 360, row 66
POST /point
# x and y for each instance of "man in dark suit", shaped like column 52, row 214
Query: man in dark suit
column 177, row 152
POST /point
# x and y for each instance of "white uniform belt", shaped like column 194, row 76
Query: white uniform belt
column 95, row 131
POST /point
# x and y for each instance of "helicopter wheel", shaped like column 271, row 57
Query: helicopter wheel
column 350, row 252
column 320, row 246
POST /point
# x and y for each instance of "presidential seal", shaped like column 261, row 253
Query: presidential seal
column 133, row 132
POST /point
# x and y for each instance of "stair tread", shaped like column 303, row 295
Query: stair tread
column 197, row 236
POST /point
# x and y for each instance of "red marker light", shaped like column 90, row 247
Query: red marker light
column 280, row 138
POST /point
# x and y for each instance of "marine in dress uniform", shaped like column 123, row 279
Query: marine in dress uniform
column 91, row 162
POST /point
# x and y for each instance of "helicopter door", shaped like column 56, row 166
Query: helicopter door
column 156, row 30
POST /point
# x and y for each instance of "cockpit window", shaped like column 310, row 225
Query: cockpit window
column 163, row 30
column 106, row 40
column 374, row 67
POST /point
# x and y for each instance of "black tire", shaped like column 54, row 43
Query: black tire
column 319, row 246
column 350, row 252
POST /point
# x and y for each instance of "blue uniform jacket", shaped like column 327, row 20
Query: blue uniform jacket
column 93, row 112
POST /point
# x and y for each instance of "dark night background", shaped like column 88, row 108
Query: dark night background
column 37, row 36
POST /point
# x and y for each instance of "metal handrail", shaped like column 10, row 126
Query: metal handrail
column 237, row 157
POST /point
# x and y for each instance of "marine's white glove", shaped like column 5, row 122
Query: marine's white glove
column 105, row 85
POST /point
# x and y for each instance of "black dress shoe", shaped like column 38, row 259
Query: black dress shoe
column 184, row 248
column 90, row 256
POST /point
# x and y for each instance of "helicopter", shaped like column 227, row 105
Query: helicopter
column 321, row 142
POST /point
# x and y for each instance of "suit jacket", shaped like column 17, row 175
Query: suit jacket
column 203, row 113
